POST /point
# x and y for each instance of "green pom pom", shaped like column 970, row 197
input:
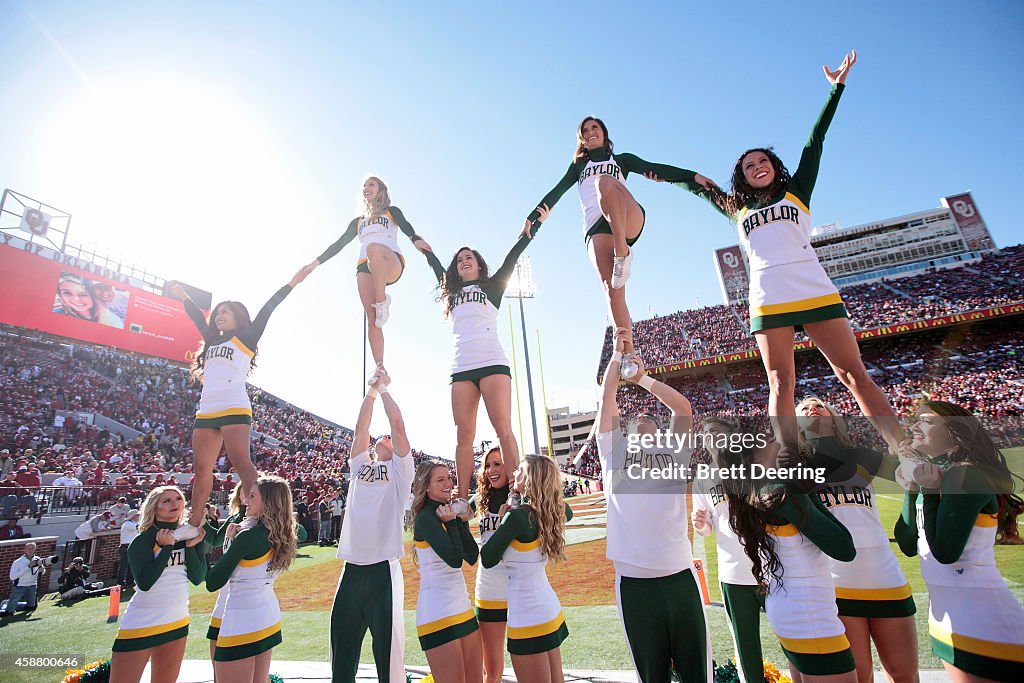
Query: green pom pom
column 727, row 673
column 274, row 678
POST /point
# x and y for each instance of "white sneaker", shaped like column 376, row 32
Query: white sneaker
column 461, row 508
column 620, row 269
column 381, row 309
column 185, row 532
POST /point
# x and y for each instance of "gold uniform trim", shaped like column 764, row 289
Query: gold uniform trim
column 796, row 306
column 441, row 624
column 146, row 631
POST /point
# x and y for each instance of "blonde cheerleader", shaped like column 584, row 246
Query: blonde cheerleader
column 262, row 547
column 525, row 540
column 875, row 600
column 380, row 263
column 950, row 517
column 155, row 623
column 445, row 623
column 491, row 592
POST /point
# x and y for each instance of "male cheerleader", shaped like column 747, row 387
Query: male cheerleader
column 371, row 590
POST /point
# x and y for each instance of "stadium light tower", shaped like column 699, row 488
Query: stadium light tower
column 521, row 287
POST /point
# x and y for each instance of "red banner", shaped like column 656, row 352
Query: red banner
column 732, row 273
column 874, row 333
column 968, row 219
column 51, row 296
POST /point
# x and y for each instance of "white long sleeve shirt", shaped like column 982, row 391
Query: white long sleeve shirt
column 22, row 574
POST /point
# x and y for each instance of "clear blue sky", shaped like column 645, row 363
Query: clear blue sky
column 223, row 144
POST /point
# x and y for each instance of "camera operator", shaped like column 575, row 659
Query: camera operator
column 25, row 573
column 73, row 584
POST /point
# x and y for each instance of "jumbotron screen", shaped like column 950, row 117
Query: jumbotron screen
column 44, row 294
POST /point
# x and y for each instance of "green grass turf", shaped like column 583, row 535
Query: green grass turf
column 595, row 640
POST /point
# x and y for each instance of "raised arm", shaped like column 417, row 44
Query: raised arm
column 193, row 311
column 350, row 234
column 806, row 174
column 435, row 265
column 631, row 163
column 500, row 279
column 361, row 437
column 679, row 405
column 552, row 197
column 251, row 335
column 608, row 413
column 406, row 227
column 399, row 437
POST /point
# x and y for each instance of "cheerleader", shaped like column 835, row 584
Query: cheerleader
column 445, row 623
column 659, row 603
column 526, row 539
column 217, row 535
column 227, row 355
column 371, row 590
column 155, row 623
column 740, row 593
column 874, row 599
column 471, row 297
column 788, row 538
column 612, row 218
column 491, row 592
column 789, row 289
column 380, row 262
column 263, row 546
column 950, row 517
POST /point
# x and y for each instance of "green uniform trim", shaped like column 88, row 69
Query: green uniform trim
column 249, row 544
column 877, row 609
column 363, row 601
column 538, row 644
column 949, row 514
column 136, row 644
column 810, row 516
column 517, row 525
column 821, row 664
column 491, row 615
column 601, row 227
column 452, row 541
column 978, row 665
column 665, row 626
column 798, row 319
column 218, row 422
column 475, row 376
column 628, row 163
column 352, row 231
column 447, row 635
column 230, row 654
column 743, row 605
column 147, row 568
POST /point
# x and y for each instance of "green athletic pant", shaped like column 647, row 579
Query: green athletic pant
column 743, row 604
column 665, row 627
column 369, row 597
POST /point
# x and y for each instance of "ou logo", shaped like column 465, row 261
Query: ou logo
column 730, row 260
column 963, row 208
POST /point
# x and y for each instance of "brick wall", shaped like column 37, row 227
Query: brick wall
column 11, row 550
column 105, row 556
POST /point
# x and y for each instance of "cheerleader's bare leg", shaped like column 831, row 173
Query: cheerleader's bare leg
column 497, row 394
column 206, row 443
column 236, row 443
column 465, row 404
column 896, row 642
column 492, row 633
column 623, row 213
column 601, row 253
column 838, row 344
column 374, row 334
column 776, row 347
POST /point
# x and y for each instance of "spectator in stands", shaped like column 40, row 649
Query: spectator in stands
column 16, row 497
column 6, row 462
column 337, row 515
column 24, row 574
column 324, row 508
column 12, row 531
column 28, row 476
